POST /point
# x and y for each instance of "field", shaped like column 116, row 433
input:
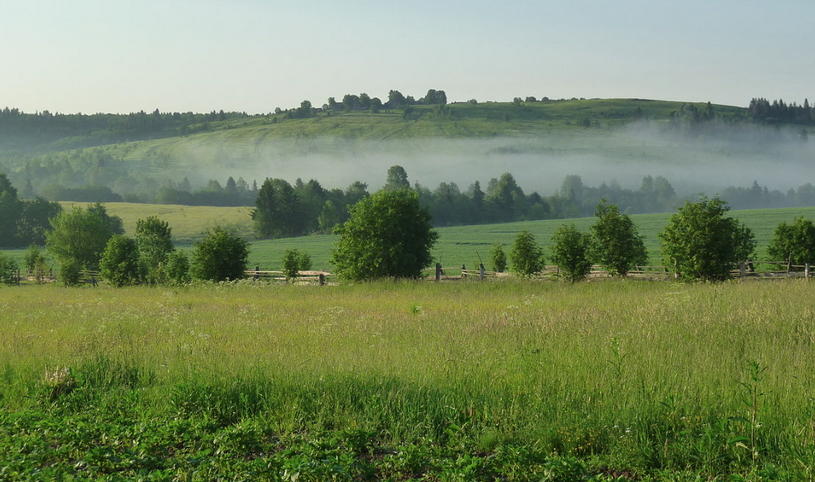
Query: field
column 457, row 246
column 627, row 380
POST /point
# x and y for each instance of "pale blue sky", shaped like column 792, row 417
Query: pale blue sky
column 253, row 55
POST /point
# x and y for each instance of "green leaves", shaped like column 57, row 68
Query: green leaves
column 701, row 242
column 389, row 235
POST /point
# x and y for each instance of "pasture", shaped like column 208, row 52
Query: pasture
column 462, row 381
column 459, row 245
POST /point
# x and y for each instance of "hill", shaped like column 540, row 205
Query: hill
column 538, row 141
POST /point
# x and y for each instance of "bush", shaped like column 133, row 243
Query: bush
column 389, row 235
column 526, row 256
column 499, row 258
column 177, row 270
column 35, row 264
column 704, row 244
column 120, row 262
column 616, row 244
column 295, row 261
column 8, row 270
column 154, row 242
column 220, row 256
column 70, row 272
column 794, row 242
column 570, row 252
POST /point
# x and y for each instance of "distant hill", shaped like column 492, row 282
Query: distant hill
column 539, row 141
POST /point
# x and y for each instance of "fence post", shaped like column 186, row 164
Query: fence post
column 481, row 273
column 322, row 279
column 17, row 280
column 806, row 271
column 438, row 271
column 742, row 269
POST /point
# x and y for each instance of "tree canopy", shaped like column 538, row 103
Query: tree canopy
column 701, row 242
column 616, row 244
column 389, row 235
column 220, row 256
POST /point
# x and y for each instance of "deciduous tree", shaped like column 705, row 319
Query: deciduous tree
column 703, row 243
column 570, row 252
column 220, row 256
column 794, row 242
column 616, row 244
column 526, row 256
column 120, row 261
column 389, row 235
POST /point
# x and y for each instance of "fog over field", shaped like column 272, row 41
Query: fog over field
column 736, row 155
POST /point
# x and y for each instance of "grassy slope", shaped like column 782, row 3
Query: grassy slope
column 231, row 146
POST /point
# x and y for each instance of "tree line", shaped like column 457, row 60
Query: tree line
column 27, row 132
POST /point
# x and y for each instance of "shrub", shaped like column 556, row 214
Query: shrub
column 794, row 242
column 389, row 235
column 499, row 258
column 35, row 264
column 526, row 256
column 120, row 262
column 702, row 243
column 8, row 270
column 295, row 261
column 177, row 270
column 616, row 244
column 220, row 256
column 570, row 252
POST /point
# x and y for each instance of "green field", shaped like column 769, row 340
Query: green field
column 516, row 381
column 456, row 246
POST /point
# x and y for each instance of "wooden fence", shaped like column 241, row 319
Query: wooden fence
column 742, row 270
column 320, row 277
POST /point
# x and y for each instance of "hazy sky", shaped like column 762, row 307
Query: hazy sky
column 254, row 55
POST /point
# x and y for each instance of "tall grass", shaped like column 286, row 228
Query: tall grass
column 642, row 376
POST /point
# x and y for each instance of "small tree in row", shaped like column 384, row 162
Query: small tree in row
column 389, row 235
column 702, row 243
column 295, row 261
column 526, row 256
column 615, row 242
column 570, row 252
column 794, row 243
column 221, row 256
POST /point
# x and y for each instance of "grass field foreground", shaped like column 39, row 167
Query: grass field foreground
column 409, row 381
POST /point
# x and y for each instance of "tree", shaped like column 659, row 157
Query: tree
column 389, row 235
column 35, row 220
column 79, row 236
column 10, row 212
column 616, row 244
column 701, row 242
column 220, row 256
column 295, row 261
column 8, row 270
column 120, row 261
column 397, row 179
column 154, row 242
column 328, row 218
column 526, row 256
column 278, row 211
column 499, row 258
column 178, row 268
column 570, row 252
column 794, row 242
column 35, row 264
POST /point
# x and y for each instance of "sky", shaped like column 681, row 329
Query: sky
column 123, row 56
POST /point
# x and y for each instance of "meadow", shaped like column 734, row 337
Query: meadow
column 499, row 380
column 457, row 245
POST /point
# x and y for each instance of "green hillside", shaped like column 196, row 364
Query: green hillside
column 270, row 145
